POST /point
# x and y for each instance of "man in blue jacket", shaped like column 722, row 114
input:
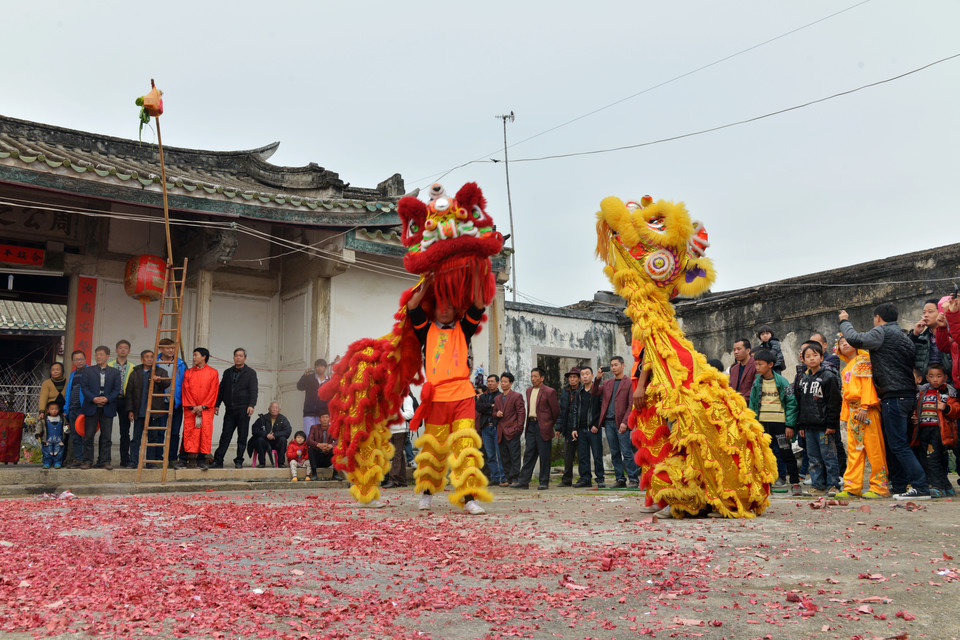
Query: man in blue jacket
column 176, row 456
column 100, row 385
column 73, row 398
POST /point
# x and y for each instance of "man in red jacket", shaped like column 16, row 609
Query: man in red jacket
column 744, row 370
column 616, row 398
column 201, row 383
column 542, row 411
column 508, row 408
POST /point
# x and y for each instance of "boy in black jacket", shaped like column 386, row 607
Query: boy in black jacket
column 818, row 402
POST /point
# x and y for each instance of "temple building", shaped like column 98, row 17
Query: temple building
column 291, row 263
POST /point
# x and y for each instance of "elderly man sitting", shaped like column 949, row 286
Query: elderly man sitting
column 270, row 431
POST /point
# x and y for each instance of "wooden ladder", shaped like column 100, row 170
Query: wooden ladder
column 168, row 326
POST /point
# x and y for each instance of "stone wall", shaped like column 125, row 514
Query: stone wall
column 558, row 339
column 797, row 307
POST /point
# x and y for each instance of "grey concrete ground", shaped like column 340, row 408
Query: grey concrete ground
column 305, row 562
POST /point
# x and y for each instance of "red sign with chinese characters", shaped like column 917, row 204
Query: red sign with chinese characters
column 86, row 304
column 12, row 254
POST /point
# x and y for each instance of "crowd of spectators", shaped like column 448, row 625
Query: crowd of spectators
column 882, row 396
column 78, row 410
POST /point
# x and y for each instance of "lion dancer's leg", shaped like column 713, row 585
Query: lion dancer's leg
column 431, row 473
column 466, row 461
column 370, row 465
column 450, row 439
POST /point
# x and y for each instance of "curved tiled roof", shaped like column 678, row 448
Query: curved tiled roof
column 239, row 176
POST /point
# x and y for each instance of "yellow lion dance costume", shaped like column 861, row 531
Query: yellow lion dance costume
column 700, row 446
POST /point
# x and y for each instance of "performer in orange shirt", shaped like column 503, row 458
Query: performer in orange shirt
column 200, row 385
column 447, row 404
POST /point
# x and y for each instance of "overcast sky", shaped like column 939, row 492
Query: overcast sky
column 368, row 89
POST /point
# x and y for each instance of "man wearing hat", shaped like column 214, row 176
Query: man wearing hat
column 567, row 423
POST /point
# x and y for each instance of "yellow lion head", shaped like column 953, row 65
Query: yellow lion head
column 658, row 241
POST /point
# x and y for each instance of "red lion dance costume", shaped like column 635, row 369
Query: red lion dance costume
column 449, row 243
column 698, row 443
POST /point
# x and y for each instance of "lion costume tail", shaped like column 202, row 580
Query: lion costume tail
column 365, row 393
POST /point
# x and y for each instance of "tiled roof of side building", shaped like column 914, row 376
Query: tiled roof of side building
column 31, row 318
column 243, row 177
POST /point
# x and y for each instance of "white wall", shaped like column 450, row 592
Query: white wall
column 295, row 356
column 249, row 322
column 362, row 305
column 120, row 316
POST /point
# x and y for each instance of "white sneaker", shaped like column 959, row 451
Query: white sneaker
column 425, row 500
column 653, row 508
column 473, row 508
column 373, row 504
column 664, row 513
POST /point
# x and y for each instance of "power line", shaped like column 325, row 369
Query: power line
column 690, row 73
column 739, row 122
column 485, row 157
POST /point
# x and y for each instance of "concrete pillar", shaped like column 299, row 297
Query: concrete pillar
column 72, row 289
column 204, row 300
column 320, row 322
column 496, row 319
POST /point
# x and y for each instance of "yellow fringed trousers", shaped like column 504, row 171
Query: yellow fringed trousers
column 450, row 441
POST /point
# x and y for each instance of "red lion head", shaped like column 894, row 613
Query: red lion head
column 452, row 238
column 447, row 228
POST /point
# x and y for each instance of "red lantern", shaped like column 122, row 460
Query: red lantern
column 143, row 279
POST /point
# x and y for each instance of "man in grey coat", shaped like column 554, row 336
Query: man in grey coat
column 892, row 357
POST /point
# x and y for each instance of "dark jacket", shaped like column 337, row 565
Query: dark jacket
column 589, row 414
column 90, row 386
column 773, row 344
column 818, row 400
column 312, row 404
column 926, row 351
column 484, row 404
column 138, row 385
column 236, row 397
column 514, row 415
column 546, row 410
column 280, row 429
column 621, row 404
column 569, row 419
column 892, row 355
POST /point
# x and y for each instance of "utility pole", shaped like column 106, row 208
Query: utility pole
column 513, row 237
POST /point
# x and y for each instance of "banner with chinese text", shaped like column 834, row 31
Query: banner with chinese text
column 86, row 305
column 12, row 254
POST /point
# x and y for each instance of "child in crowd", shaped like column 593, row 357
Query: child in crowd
column 773, row 401
column 772, row 343
column 52, row 432
column 937, row 411
column 298, row 455
column 818, row 402
column 860, row 415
